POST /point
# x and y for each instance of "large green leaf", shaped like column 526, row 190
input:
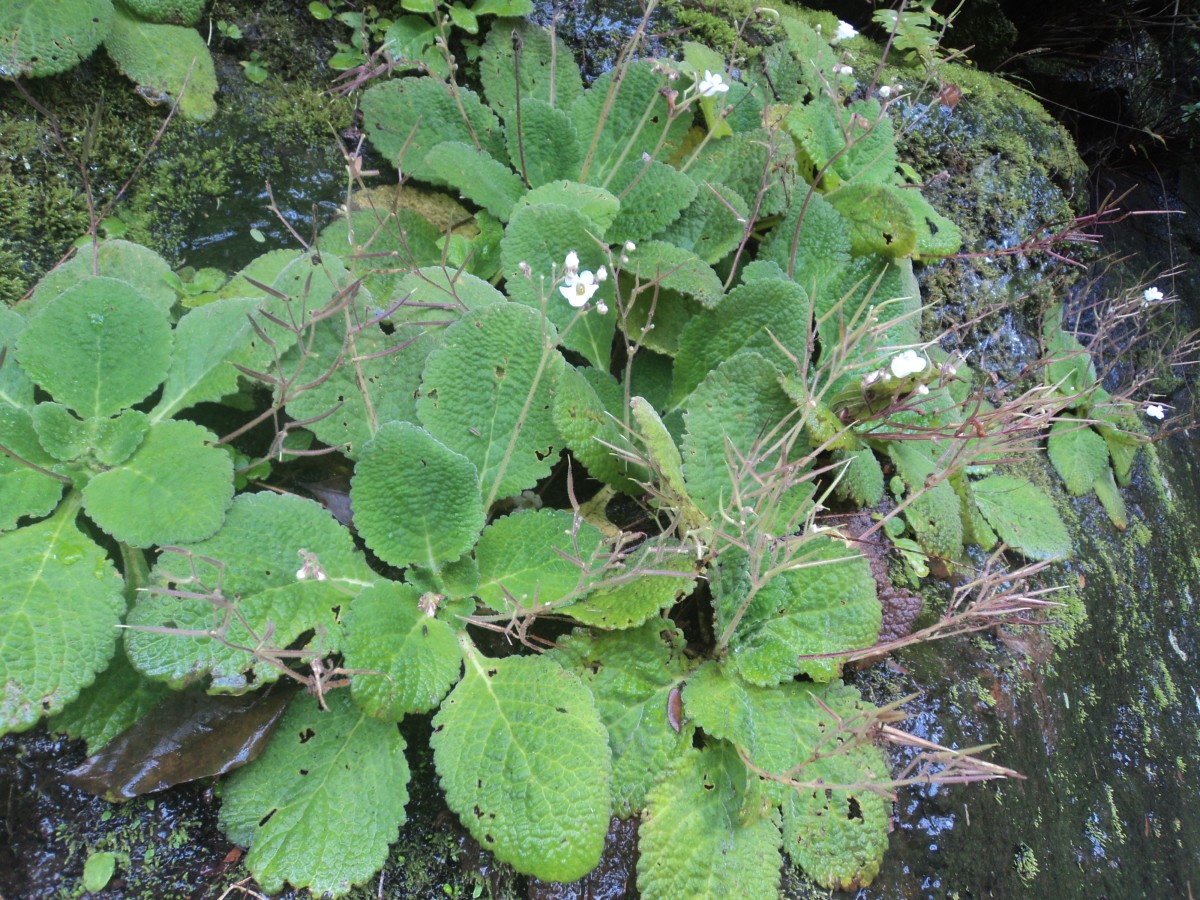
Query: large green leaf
column 739, row 162
column 824, row 604
column 536, row 556
column 662, row 267
column 1078, row 453
column 652, row 196
column 406, row 659
column 255, row 560
column 648, row 586
column 540, row 237
column 476, row 175
column 60, row 600
column 635, row 677
column 696, row 840
column 545, row 147
column 167, row 60
column 712, row 225
column 45, row 37
column 179, row 12
column 143, row 269
column 406, row 117
column 586, row 422
column 118, row 698
column 15, row 387
column 320, row 806
column 525, row 763
column 488, row 393
column 544, row 66
column 174, row 489
column 98, row 346
column 880, row 220
column 851, row 143
column 822, row 246
column 1024, row 516
column 387, row 242
column 415, row 500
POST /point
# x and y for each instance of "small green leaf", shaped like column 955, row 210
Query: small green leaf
column 173, row 490
column 635, row 676
column 862, row 478
column 488, row 393
column 406, row 660
column 415, row 500
column 98, row 871
column 24, row 491
column 463, row 18
column 693, row 841
column 667, row 462
column 143, row 269
column 934, row 514
column 524, row 760
column 1023, row 515
column 1110, row 498
column 51, row 650
column 168, row 60
column 97, row 347
column 586, row 423
column 511, row 8
column 320, row 806
column 1078, row 454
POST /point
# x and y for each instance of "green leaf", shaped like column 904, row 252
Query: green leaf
column 652, row 196
column 826, row 604
column 415, row 500
column 754, row 317
column 488, row 393
column 463, row 18
column 406, row 660
column 145, row 271
column 712, row 225
column 635, row 677
column 34, row 43
column 1078, row 454
column 632, row 121
column 15, row 387
column 862, row 477
column 843, row 144
column 586, row 422
column 411, row 41
column 936, row 235
column 117, row 699
column 97, row 347
column 879, row 218
column 671, row 268
column 391, row 243
column 630, row 603
column 732, row 443
column 524, row 760
column 1069, row 366
column 502, row 7
column 935, row 515
column 320, row 806
column 694, row 841
column 1023, row 515
column 174, row 489
column 1122, row 447
column 67, row 438
column 547, row 68
column 51, row 650
column 545, row 145
column 1110, row 498
column 255, row 558
column 476, row 175
column 886, row 288
column 597, row 205
column 667, row 461
column 822, row 248
column 739, row 161
column 409, row 116
column 165, row 60
column 541, row 236
column 536, row 556
column 179, row 12
column 98, row 871
column 24, row 491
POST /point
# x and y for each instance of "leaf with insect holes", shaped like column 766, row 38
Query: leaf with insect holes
column 734, row 423
column 488, row 393
column 171, row 60
column 34, row 44
column 50, row 649
column 98, row 347
column 174, row 489
column 936, row 235
column 536, row 556
column 140, row 267
column 404, row 660
column 253, row 560
column 652, row 196
column 880, row 221
column 415, row 500
column 406, row 117
column 663, row 265
column 635, row 676
column 801, row 616
column 620, row 122
column 587, row 408
column 320, row 806
column 545, row 66
column 524, row 760
column 712, row 225
column 757, row 318
column 697, row 839
column 24, row 491
column 1023, row 515
column 476, row 175
column 541, row 237
column 670, row 576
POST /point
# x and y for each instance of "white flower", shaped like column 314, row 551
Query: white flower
column 602, row 307
column 844, row 32
column 711, row 85
column 1151, row 295
column 907, row 363
column 885, row 92
column 578, row 289
column 843, row 69
column 571, row 265
column 1156, row 411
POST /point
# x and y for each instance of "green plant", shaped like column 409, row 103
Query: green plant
column 145, row 38
column 696, row 293
column 915, row 30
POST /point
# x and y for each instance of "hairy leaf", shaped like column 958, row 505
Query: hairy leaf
column 546, row 67
column 822, row 248
column 119, row 697
column 1078, row 454
column 652, row 196
column 1023, row 515
column 630, row 603
column 415, row 500
column 598, row 206
column 320, row 806
column 854, row 143
column 24, row 491
column 712, row 225
column 545, row 146
column 405, row 659
column 524, row 760
column 879, row 218
column 586, row 422
column 476, row 175
column 663, row 265
column 180, row 12
column 165, row 60
column 934, row 514
column 145, row 271
column 392, row 241
column 51, row 650
column 34, row 43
